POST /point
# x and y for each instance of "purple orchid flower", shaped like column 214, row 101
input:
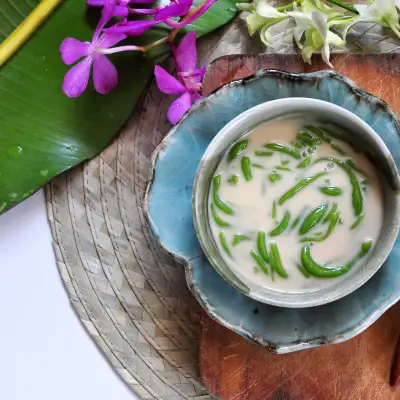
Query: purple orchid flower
column 188, row 84
column 176, row 8
column 105, row 75
column 121, row 8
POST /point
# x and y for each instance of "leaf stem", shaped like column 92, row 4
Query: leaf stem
column 346, row 6
column 26, row 29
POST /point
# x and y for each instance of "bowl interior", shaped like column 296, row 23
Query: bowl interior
column 360, row 136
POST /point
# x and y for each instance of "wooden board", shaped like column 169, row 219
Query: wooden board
column 358, row 369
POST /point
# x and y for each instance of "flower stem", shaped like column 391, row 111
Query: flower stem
column 395, row 30
column 142, row 11
column 346, row 6
column 121, row 48
column 26, row 29
column 288, row 6
column 156, row 43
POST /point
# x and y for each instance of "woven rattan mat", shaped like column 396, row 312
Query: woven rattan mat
column 131, row 297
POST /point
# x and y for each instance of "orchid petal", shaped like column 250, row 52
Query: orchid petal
column 200, row 72
column 254, row 23
column 307, row 52
column 326, row 53
column 192, row 80
column 72, row 50
column 77, row 78
column 174, row 10
column 186, row 53
column 265, row 10
column 166, row 82
column 346, row 29
column 137, row 1
column 383, row 12
column 265, row 36
column 321, row 23
column 298, row 34
column 121, row 11
column 361, row 8
column 107, row 40
column 192, row 83
column 302, row 20
column 132, row 28
column 195, row 97
column 385, row 6
column 334, row 40
column 105, row 75
column 295, row 8
column 95, row 3
column 179, row 107
column 249, row 7
column 107, row 13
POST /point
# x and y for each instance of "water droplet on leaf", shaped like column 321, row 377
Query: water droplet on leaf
column 14, row 151
column 71, row 148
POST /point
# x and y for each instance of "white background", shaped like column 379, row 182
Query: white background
column 45, row 353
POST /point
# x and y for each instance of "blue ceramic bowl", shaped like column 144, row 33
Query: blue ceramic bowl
column 356, row 132
column 168, row 205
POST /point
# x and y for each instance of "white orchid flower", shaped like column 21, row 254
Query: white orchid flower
column 317, row 34
column 382, row 12
column 261, row 15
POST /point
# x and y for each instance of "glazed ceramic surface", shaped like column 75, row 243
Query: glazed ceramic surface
column 362, row 138
column 169, row 208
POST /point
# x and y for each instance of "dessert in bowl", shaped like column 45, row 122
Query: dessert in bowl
column 296, row 202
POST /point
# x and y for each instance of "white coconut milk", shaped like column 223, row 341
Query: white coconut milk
column 252, row 204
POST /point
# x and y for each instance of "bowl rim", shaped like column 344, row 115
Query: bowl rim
column 257, row 292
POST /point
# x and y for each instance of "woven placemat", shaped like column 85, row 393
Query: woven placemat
column 131, row 296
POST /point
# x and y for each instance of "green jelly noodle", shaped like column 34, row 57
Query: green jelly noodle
column 320, row 271
column 273, row 204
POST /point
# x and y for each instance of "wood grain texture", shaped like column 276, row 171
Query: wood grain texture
column 358, row 369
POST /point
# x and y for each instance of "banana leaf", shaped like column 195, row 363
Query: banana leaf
column 43, row 132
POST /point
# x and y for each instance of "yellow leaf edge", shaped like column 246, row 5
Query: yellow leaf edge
column 26, row 29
